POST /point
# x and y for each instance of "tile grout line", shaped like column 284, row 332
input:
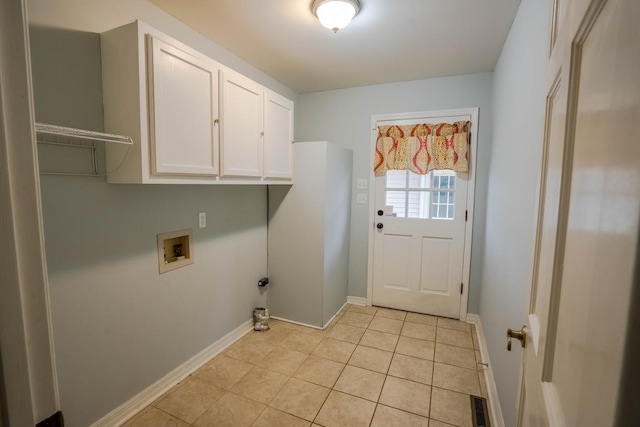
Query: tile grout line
column 386, row 374
column 334, row 384
column 384, row 382
column 433, row 369
column 432, row 361
column 171, row 415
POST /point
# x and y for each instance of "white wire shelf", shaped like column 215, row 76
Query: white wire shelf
column 82, row 134
column 81, row 157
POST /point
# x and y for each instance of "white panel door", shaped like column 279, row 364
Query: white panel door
column 589, row 211
column 419, row 240
column 242, row 128
column 533, row 413
column 278, row 136
column 183, row 111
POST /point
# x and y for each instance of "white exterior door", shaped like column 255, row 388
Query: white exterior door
column 585, row 257
column 419, row 238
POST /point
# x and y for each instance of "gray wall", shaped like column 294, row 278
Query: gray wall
column 344, row 117
column 118, row 325
column 309, row 236
column 518, row 120
column 337, row 218
column 97, row 16
column 297, row 240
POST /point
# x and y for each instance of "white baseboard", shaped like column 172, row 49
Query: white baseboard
column 295, row 322
column 334, row 316
column 356, row 300
column 497, row 419
column 143, row 399
column 312, row 326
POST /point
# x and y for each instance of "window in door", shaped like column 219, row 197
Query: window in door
column 431, row 196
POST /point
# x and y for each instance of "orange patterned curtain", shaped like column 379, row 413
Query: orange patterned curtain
column 422, row 148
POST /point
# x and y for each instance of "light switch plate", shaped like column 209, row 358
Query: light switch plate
column 202, row 220
column 361, row 198
column 362, row 184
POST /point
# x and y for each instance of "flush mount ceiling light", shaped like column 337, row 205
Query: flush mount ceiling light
column 335, row 14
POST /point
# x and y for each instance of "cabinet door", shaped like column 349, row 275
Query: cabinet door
column 183, row 111
column 278, row 136
column 241, row 121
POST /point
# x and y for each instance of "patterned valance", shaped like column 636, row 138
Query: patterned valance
column 422, row 148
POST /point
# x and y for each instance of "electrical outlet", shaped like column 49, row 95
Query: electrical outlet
column 361, row 198
column 202, row 220
column 362, row 184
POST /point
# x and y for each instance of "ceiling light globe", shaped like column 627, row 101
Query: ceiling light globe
column 335, row 14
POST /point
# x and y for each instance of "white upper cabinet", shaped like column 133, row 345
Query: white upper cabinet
column 192, row 120
column 278, row 136
column 241, row 126
column 183, row 111
column 257, row 130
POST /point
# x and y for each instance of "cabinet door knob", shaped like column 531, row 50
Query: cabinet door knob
column 216, row 121
column 262, row 134
column 379, row 226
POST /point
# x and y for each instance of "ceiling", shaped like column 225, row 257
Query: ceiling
column 388, row 41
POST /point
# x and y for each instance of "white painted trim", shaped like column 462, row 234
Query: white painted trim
column 358, row 301
column 143, row 399
column 534, row 329
column 29, row 390
column 314, row 326
column 466, row 266
column 471, row 194
column 371, row 219
column 552, row 405
column 334, row 316
column 296, row 323
column 497, row 419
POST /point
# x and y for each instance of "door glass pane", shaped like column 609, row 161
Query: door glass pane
column 396, row 179
column 442, row 206
column 418, row 204
column 397, row 201
column 444, row 179
column 405, row 197
column 419, row 181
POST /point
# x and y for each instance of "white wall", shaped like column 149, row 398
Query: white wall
column 119, row 325
column 518, row 120
column 344, row 117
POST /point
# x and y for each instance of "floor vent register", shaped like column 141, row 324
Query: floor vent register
column 479, row 412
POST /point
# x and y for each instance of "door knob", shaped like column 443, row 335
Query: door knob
column 520, row 335
column 379, row 226
column 380, row 212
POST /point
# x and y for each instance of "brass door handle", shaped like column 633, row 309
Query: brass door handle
column 520, row 335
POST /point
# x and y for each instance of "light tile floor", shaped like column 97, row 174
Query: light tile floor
column 371, row 367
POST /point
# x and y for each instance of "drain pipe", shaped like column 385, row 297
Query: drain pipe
column 261, row 314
